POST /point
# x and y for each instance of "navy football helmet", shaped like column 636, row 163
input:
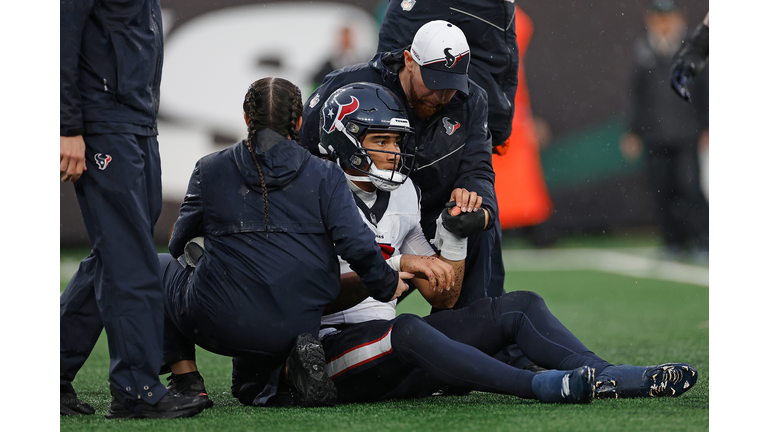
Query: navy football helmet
column 349, row 114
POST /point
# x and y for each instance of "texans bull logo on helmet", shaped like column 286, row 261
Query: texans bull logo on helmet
column 332, row 115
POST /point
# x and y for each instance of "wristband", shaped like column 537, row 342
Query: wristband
column 394, row 262
column 451, row 246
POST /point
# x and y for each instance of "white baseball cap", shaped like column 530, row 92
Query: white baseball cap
column 442, row 51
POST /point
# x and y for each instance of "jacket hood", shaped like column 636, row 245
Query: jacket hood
column 280, row 163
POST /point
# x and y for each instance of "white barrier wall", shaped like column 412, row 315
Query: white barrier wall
column 212, row 59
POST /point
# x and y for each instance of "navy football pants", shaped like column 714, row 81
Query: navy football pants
column 117, row 287
column 413, row 357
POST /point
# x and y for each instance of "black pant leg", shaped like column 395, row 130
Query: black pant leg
column 456, row 364
column 663, row 180
column 518, row 317
column 484, row 269
column 176, row 346
column 80, row 322
column 694, row 214
column 120, row 203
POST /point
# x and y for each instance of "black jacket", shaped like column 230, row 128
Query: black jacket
column 284, row 273
column 655, row 113
column 446, row 158
column 111, row 63
column 489, row 27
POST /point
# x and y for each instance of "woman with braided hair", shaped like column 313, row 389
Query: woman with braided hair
column 253, row 254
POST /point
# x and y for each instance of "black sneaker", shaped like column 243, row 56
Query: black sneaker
column 626, row 381
column 190, row 384
column 172, row 405
column 71, row 405
column 306, row 372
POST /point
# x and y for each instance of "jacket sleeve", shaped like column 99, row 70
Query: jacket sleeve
column 190, row 222
column 355, row 242
column 476, row 169
column 73, row 16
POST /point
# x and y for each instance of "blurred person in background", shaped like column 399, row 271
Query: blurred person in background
column 344, row 54
column 669, row 131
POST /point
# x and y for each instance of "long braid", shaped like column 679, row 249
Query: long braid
column 273, row 103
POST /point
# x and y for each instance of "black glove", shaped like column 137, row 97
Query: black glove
column 689, row 61
column 465, row 224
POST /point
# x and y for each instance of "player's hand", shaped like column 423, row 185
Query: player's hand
column 71, row 158
column 465, row 200
column 401, row 285
column 440, row 274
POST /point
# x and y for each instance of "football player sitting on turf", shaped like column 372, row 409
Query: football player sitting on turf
column 373, row 355
column 273, row 219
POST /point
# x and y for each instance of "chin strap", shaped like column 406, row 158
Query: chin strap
column 358, row 178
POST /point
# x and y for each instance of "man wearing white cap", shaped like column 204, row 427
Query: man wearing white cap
column 449, row 113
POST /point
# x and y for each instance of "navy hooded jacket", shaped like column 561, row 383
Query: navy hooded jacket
column 111, row 63
column 452, row 148
column 282, row 274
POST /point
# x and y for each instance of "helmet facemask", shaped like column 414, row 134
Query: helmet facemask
column 351, row 114
column 385, row 179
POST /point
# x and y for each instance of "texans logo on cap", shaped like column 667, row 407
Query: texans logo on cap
column 450, row 59
column 329, row 119
column 102, row 160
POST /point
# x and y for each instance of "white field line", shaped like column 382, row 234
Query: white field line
column 569, row 259
column 604, row 261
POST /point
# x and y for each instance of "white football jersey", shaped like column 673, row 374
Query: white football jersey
column 397, row 231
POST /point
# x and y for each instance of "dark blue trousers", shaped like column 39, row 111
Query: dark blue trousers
column 484, row 268
column 454, row 348
column 410, row 357
column 675, row 184
column 117, row 287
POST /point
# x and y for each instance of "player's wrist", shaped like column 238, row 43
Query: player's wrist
column 452, row 246
column 394, row 262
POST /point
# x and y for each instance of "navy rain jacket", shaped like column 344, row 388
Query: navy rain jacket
column 489, row 26
column 261, row 285
column 110, row 50
column 452, row 148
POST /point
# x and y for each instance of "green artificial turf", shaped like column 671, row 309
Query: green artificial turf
column 622, row 319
